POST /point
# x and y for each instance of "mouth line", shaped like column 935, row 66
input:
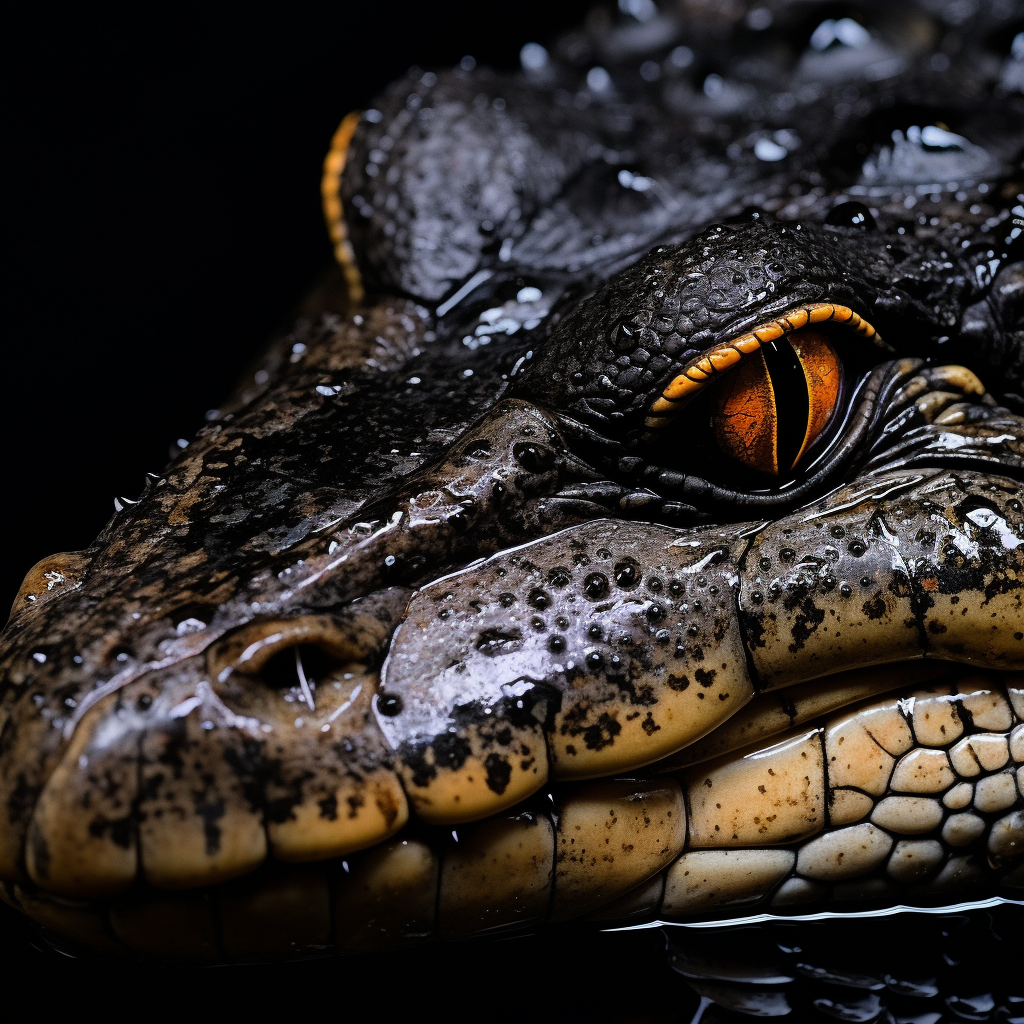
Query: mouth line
column 283, row 908
column 708, row 367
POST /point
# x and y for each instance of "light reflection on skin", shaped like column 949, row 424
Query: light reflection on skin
column 824, row 915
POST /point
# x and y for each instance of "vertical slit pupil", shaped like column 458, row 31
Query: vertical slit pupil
column 791, row 398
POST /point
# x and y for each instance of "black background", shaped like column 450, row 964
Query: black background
column 163, row 218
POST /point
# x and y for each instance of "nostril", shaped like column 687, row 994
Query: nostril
column 251, row 649
column 310, row 670
column 302, row 667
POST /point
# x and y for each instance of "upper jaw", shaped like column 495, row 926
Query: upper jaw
column 200, row 769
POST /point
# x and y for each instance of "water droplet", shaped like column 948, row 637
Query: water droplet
column 389, row 704
column 533, row 57
column 626, row 575
column 598, row 80
column 766, row 149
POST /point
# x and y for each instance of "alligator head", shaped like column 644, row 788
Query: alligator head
column 646, row 407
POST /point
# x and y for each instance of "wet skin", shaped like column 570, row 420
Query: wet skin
column 290, row 650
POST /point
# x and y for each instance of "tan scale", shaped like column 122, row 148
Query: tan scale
column 1006, row 839
column 844, row 853
column 957, row 873
column 670, row 701
column 796, row 891
column 81, row 841
column 913, row 860
column 936, row 718
column 861, row 747
column 862, row 599
column 908, row 815
column 922, row 771
column 985, row 703
column 990, row 633
column 982, row 752
column 770, row 714
column 49, row 578
column 938, row 393
column 286, row 913
column 389, row 897
column 180, row 926
column 497, row 875
column 1015, row 692
column 775, row 795
column 962, row 829
column 27, row 757
column 642, row 902
column 685, row 710
column 996, row 792
column 704, row 880
column 452, row 797
column 959, row 797
column 197, row 825
column 370, row 809
column 848, row 805
column 611, row 836
column 845, row 636
column 1017, row 744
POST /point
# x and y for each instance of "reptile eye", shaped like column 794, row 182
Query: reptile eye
column 768, row 411
column 777, row 388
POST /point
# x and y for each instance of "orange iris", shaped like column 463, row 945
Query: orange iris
column 745, row 412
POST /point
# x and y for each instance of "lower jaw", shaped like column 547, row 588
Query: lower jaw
column 939, row 822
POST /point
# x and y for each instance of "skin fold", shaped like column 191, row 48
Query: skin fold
column 459, row 619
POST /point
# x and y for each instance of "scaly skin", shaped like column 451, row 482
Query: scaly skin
column 438, row 563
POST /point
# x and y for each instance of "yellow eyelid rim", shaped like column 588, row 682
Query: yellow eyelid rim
column 334, row 214
column 704, row 369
